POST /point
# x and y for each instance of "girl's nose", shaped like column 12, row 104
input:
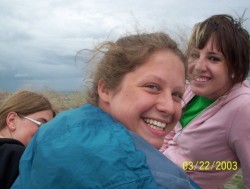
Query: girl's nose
column 200, row 65
column 166, row 105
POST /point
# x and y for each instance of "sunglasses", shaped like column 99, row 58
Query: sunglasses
column 38, row 123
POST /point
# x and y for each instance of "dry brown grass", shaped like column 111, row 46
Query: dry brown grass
column 60, row 100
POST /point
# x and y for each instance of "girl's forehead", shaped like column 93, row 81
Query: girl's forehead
column 211, row 44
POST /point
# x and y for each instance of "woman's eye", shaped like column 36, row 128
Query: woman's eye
column 152, row 87
column 213, row 59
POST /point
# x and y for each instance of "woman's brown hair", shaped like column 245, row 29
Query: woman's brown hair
column 24, row 103
column 125, row 55
column 230, row 38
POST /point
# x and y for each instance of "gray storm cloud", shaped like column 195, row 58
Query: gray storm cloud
column 39, row 39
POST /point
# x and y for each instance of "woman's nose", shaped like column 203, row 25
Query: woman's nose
column 166, row 104
column 200, row 65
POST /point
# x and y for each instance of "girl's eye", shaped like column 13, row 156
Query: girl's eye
column 214, row 59
column 153, row 87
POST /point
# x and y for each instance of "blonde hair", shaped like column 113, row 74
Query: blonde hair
column 125, row 55
column 24, row 103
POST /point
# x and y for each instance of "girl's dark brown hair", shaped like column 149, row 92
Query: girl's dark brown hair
column 230, row 38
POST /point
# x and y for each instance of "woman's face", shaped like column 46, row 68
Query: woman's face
column 208, row 71
column 148, row 100
column 25, row 128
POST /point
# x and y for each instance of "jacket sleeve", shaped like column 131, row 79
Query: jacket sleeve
column 239, row 139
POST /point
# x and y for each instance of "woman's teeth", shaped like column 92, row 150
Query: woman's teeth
column 155, row 124
column 201, row 79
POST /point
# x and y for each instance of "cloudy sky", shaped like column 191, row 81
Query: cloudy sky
column 39, row 39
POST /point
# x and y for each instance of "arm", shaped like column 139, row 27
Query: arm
column 239, row 139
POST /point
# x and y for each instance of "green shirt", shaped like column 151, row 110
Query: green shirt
column 194, row 108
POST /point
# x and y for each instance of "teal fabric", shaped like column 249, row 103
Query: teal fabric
column 165, row 172
column 83, row 148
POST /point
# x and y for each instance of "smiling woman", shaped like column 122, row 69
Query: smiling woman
column 213, row 132
column 112, row 142
column 148, row 101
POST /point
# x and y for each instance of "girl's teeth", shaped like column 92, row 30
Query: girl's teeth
column 201, row 79
column 155, row 124
column 156, row 128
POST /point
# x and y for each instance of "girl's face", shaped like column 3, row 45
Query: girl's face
column 208, row 71
column 148, row 100
column 24, row 129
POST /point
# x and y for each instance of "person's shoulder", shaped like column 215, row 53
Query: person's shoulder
column 242, row 88
column 86, row 113
column 63, row 119
column 239, row 95
column 79, row 113
column 242, row 96
column 165, row 172
column 11, row 151
column 11, row 142
column 86, row 120
column 153, row 155
column 11, row 146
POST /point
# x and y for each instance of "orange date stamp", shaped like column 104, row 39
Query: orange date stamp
column 208, row 165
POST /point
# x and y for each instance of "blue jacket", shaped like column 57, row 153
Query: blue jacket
column 87, row 148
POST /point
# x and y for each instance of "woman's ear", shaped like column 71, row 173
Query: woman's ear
column 11, row 120
column 103, row 92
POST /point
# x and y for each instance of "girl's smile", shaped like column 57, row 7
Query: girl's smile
column 148, row 100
